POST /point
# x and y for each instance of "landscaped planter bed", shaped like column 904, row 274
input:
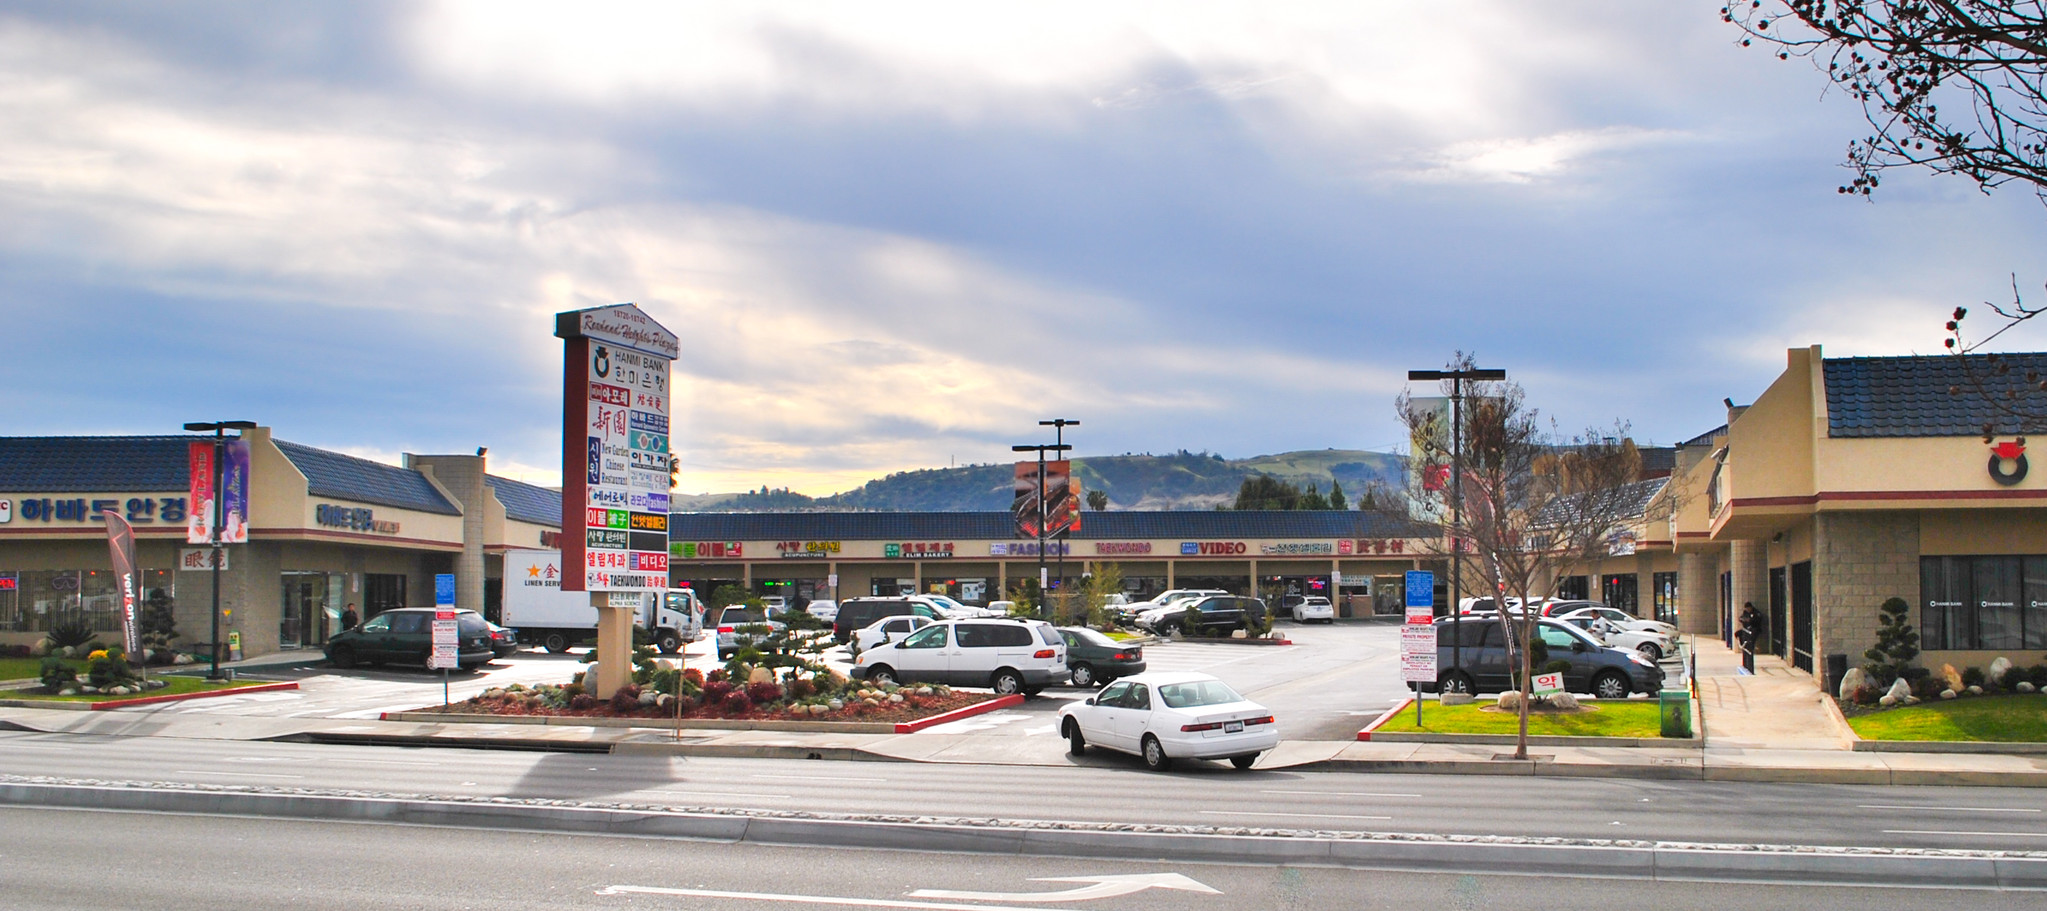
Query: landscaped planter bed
column 2019, row 718
column 912, row 708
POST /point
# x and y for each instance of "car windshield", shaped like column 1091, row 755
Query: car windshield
column 1090, row 637
column 1197, row 693
column 740, row 615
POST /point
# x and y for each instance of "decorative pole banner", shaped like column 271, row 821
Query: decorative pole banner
column 121, row 544
column 234, row 492
column 199, row 519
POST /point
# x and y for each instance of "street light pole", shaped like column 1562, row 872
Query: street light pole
column 219, row 514
column 1041, row 449
column 1457, row 379
column 1059, row 426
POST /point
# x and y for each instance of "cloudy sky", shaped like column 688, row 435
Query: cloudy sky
column 894, row 236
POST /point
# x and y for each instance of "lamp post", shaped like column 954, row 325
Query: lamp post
column 219, row 429
column 1457, row 380
column 1059, row 426
column 1041, row 449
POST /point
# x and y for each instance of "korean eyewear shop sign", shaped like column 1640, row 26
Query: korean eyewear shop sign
column 136, row 510
column 616, row 449
column 234, row 489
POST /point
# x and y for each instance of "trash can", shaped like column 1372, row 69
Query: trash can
column 1676, row 709
column 1837, row 668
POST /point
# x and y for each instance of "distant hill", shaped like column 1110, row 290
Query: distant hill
column 1183, row 480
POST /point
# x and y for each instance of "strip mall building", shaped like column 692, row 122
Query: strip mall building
column 326, row 530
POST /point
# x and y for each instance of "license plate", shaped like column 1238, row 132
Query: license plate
column 1232, row 727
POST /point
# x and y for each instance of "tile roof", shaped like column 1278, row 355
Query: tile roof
column 1704, row 438
column 121, row 464
column 1909, row 396
column 527, row 502
column 332, row 474
column 917, row 526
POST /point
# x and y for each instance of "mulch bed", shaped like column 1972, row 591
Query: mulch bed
column 910, row 709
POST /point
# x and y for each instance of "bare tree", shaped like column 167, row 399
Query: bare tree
column 1533, row 503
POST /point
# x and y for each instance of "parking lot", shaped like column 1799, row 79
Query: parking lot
column 1333, row 680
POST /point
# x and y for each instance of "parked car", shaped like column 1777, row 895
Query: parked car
column 1609, row 673
column 1001, row 608
column 1128, row 613
column 740, row 626
column 775, row 603
column 1093, row 659
column 405, row 635
column 1618, row 617
column 1215, row 612
column 823, row 610
column 954, row 610
column 1314, row 609
column 1008, row 656
column 855, row 613
column 1171, row 715
column 886, row 629
column 1653, row 646
column 503, row 640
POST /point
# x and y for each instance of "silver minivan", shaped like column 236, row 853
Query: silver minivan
column 1007, row 656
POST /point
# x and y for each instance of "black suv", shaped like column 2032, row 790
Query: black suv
column 1609, row 673
column 857, row 613
column 1215, row 612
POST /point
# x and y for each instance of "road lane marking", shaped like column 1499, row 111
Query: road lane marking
column 1977, row 834
column 800, row 899
column 1879, row 806
column 1292, row 815
column 814, row 778
column 1097, row 887
column 720, row 794
column 236, row 773
column 1339, row 794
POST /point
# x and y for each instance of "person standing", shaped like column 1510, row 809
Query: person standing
column 1751, row 629
column 348, row 617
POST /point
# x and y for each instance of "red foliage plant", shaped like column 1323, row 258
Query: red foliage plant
column 763, row 693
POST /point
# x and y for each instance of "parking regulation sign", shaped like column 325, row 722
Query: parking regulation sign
column 1418, row 653
column 447, row 640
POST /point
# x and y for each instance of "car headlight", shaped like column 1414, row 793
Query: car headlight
column 1638, row 659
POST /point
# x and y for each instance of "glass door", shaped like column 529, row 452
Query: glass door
column 302, row 622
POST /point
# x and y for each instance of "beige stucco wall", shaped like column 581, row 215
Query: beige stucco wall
column 1770, row 445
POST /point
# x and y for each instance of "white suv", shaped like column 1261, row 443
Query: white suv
column 1007, row 656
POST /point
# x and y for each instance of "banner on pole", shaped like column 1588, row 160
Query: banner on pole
column 121, row 545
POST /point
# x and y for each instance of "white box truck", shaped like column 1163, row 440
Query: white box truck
column 544, row 615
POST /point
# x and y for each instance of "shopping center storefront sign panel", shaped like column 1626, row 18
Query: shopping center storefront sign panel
column 616, row 410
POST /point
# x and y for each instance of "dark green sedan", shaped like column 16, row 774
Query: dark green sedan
column 405, row 636
column 1093, row 659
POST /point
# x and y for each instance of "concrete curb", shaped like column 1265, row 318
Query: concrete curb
column 1661, row 861
column 653, row 724
column 978, row 708
column 1371, row 733
column 1949, row 746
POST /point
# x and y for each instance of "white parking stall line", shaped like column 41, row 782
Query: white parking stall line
column 735, row 794
column 815, row 778
column 1339, row 794
column 1293, row 815
column 236, row 773
column 1966, row 834
column 1880, row 806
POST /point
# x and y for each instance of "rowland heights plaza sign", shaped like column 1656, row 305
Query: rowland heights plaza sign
column 614, row 471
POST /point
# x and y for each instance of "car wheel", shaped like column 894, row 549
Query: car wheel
column 1456, row 682
column 1155, row 757
column 555, row 643
column 343, row 657
column 1076, row 742
column 1610, row 685
column 882, row 674
column 668, row 642
column 1082, row 675
column 1244, row 762
column 1650, row 651
column 1006, row 682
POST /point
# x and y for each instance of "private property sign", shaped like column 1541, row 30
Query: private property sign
column 615, row 452
column 1418, row 634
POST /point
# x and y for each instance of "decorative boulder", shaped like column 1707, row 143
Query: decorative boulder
column 649, row 698
column 1240, row 634
column 1948, row 694
column 1952, row 677
column 1563, row 702
column 666, row 701
column 1975, row 691
column 1998, row 667
column 1886, row 700
column 42, row 648
column 1510, row 701
column 759, row 675
column 838, row 704
column 1899, row 691
column 1456, row 699
column 1911, row 700
column 895, row 697
column 2026, row 686
column 1852, row 683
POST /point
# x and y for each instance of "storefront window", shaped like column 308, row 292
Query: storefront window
column 35, row 600
column 1619, row 591
column 1665, row 594
column 1989, row 602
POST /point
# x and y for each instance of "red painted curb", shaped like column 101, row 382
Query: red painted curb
column 150, row 700
column 1003, row 702
column 1366, row 734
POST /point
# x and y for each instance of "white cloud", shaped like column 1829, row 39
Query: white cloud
column 1526, row 160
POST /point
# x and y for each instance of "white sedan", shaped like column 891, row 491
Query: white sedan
column 1653, row 646
column 1171, row 715
column 1314, row 608
column 1624, row 620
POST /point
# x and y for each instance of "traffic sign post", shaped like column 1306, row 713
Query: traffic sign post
column 1418, row 636
column 447, row 648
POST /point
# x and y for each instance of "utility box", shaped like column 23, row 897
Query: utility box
column 1675, row 706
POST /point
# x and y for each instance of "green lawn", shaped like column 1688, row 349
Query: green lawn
column 1994, row 719
column 1121, row 636
column 26, row 668
column 1631, row 718
column 179, row 686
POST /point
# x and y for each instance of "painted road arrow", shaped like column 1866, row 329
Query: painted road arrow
column 1099, row 887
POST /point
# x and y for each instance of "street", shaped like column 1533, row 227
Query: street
column 86, row 861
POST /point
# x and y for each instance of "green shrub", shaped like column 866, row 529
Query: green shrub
column 2013, row 676
column 2037, row 675
column 57, row 673
column 1897, row 643
column 1973, row 677
column 71, row 633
